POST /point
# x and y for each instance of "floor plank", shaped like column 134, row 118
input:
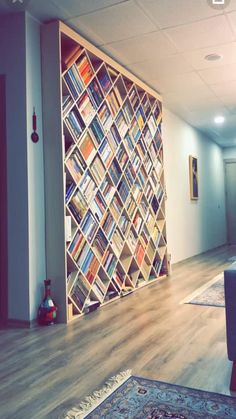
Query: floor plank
column 45, row 371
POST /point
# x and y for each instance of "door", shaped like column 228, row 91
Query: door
column 3, row 204
column 230, row 183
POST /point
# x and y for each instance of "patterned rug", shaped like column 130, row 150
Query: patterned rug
column 130, row 397
column 210, row 294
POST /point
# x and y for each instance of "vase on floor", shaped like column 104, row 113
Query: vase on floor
column 47, row 311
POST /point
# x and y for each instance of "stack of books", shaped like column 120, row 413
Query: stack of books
column 108, row 225
column 88, row 187
column 100, row 242
column 86, row 107
column 85, row 69
column 95, row 93
column 121, row 124
column 105, row 116
column 109, row 262
column 113, row 102
column 89, row 226
column 106, row 153
column 74, row 81
column 77, row 206
column 123, row 189
column 139, row 253
column 97, row 130
column 104, row 80
column 98, row 206
column 76, row 245
column 74, row 123
column 87, row 148
column 115, row 171
column 74, row 166
column 134, row 99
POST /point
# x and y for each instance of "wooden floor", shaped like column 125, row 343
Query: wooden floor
column 45, row 371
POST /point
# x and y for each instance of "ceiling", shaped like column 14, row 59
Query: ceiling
column 164, row 43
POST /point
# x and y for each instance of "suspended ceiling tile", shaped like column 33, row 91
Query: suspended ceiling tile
column 219, row 75
column 156, row 68
column 81, row 7
column 186, row 81
column 114, row 23
column 223, row 89
column 141, row 48
column 202, row 34
column 197, row 57
column 167, row 13
column 212, row 105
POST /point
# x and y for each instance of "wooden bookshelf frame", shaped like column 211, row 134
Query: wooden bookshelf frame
column 104, row 177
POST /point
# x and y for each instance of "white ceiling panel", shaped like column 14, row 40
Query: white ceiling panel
column 232, row 20
column 159, row 68
column 222, row 74
column 141, row 48
column 178, row 84
column 209, row 105
column 226, row 88
column 190, row 94
column 198, row 62
column 167, row 13
column 114, row 23
column 82, row 7
column 202, row 34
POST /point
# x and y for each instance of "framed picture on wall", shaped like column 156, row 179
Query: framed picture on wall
column 193, row 177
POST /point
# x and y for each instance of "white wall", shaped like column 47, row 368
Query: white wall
column 192, row 226
column 229, row 153
column 20, row 62
column 12, row 64
column 36, row 211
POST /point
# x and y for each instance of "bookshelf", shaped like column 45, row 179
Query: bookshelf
column 104, row 176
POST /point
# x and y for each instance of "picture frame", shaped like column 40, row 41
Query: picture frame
column 193, row 178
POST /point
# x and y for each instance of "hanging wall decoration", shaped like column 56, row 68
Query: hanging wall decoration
column 193, row 177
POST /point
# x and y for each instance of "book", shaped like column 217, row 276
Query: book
column 68, row 228
column 106, row 153
column 104, row 80
column 97, row 130
column 113, row 103
column 86, row 108
column 87, row 148
column 95, row 92
column 85, row 69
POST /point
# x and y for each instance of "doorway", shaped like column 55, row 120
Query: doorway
column 230, row 193
column 3, row 205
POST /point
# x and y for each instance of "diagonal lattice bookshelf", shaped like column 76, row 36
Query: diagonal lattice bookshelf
column 104, row 177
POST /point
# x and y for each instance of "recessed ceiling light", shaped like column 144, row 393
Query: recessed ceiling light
column 213, row 57
column 219, row 119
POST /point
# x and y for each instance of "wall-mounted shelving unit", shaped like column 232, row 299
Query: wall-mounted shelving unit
column 104, row 177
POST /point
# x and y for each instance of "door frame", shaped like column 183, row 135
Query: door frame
column 3, row 206
column 227, row 161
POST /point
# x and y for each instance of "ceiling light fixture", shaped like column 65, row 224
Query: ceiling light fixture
column 219, row 119
column 213, row 57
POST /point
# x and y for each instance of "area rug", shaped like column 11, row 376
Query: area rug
column 210, row 294
column 131, row 397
